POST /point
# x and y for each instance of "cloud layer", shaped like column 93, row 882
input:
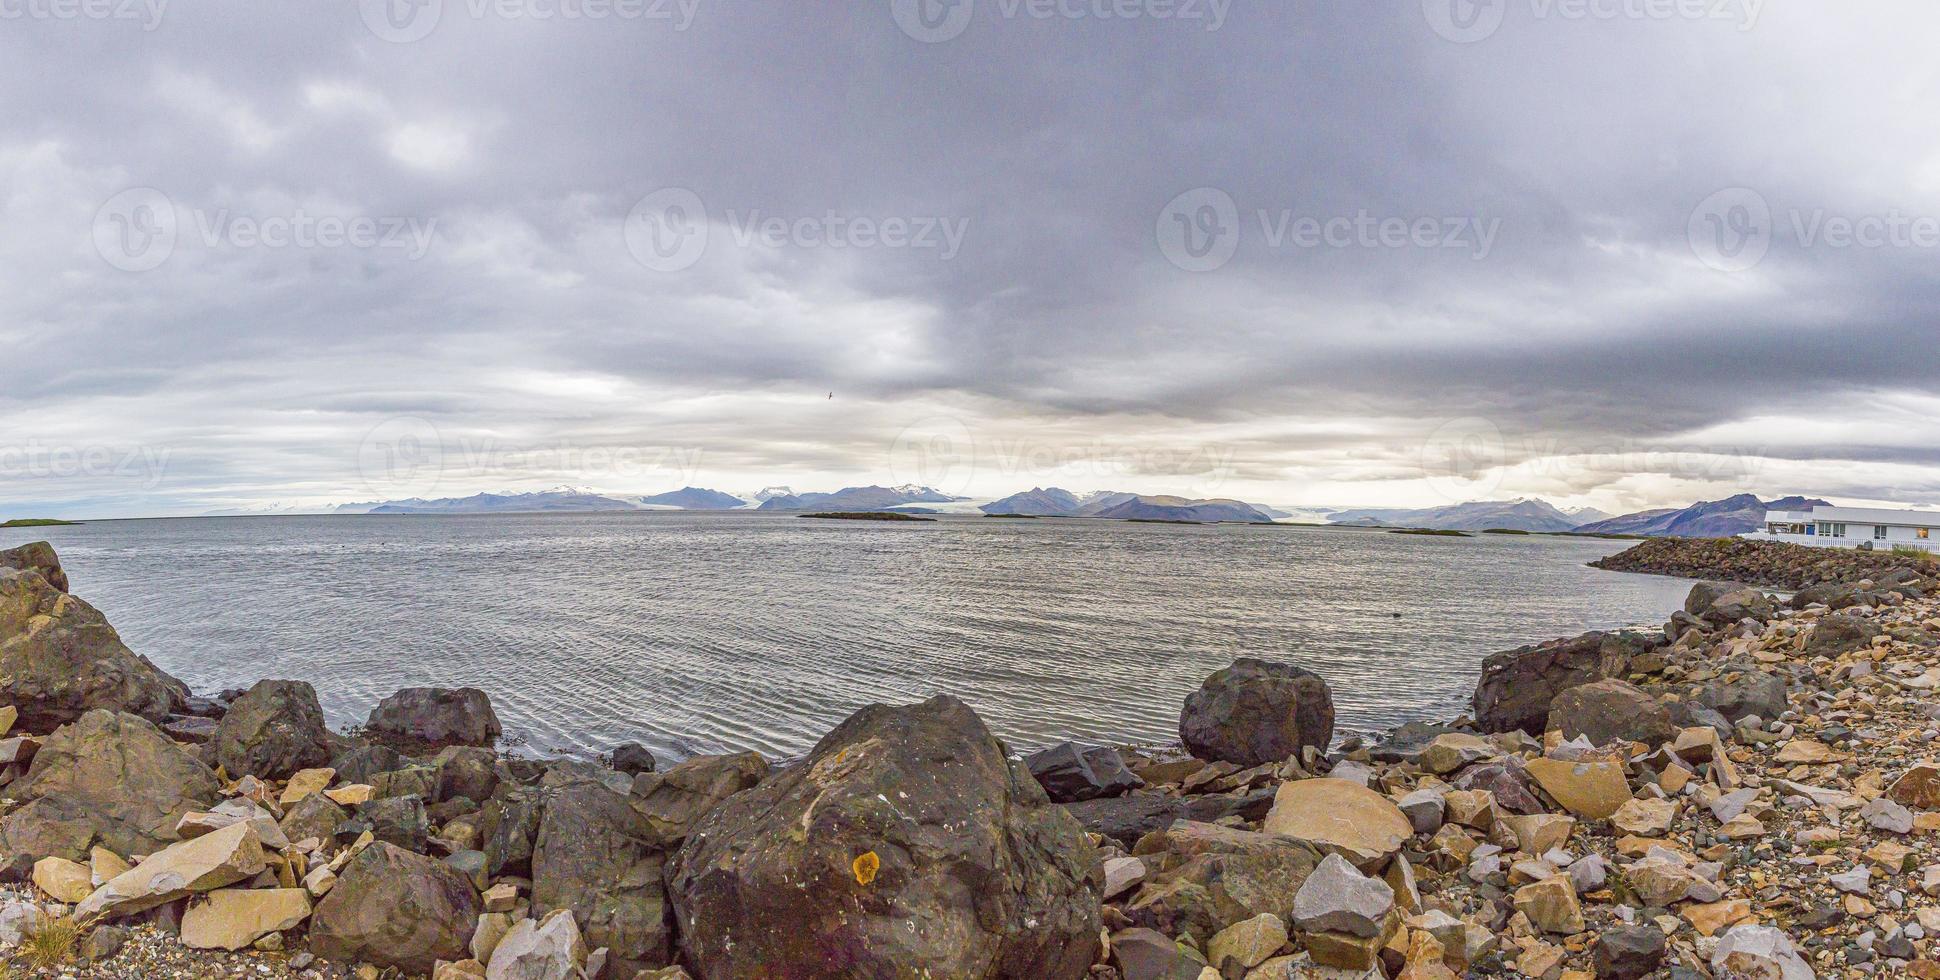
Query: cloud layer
column 1614, row 252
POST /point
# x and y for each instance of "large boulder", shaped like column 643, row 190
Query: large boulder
column 1202, row 878
column 905, row 844
column 1724, row 604
column 1070, row 774
column 675, row 800
column 597, row 855
column 362, row 762
column 1610, row 710
column 1742, row 693
column 36, row 557
column 465, row 771
column 1517, row 686
column 1340, row 817
column 1128, row 818
column 1256, row 712
column 133, row 783
column 391, row 907
column 272, row 731
column 1840, row 634
column 436, row 717
column 59, row 658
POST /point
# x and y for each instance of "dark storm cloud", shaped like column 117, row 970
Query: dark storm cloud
column 439, row 213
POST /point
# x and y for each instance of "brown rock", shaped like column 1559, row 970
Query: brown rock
column 1588, row 789
column 66, row 881
column 206, row 863
column 394, row 908
column 232, row 918
column 1551, row 905
column 1340, row 817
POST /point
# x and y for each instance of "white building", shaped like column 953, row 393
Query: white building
column 1852, row 527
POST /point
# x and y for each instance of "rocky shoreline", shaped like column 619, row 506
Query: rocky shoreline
column 1748, row 794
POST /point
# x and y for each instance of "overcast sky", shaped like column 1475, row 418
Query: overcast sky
column 1625, row 253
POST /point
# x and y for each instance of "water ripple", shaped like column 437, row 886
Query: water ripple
column 724, row 632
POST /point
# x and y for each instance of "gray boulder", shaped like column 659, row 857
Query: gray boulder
column 1070, row 774
column 361, row 762
column 1517, row 686
column 393, row 908
column 465, row 771
column 36, row 557
column 898, row 816
column 1128, row 818
column 597, row 855
column 272, row 731
column 1256, row 712
column 632, row 759
column 59, row 659
column 1840, row 634
column 510, row 821
column 133, row 783
column 434, row 717
column 398, row 820
column 1744, row 693
column 1337, row 897
column 675, row 800
column 313, row 816
column 1201, row 878
column 1608, row 710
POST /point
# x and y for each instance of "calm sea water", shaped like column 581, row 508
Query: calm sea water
column 710, row 632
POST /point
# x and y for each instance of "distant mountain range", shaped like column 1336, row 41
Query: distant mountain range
column 578, row 499
column 1526, row 514
column 1712, row 518
column 1057, row 502
column 558, row 499
column 1706, row 519
column 695, row 498
column 856, row 499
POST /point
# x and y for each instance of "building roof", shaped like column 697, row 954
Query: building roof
column 1857, row 515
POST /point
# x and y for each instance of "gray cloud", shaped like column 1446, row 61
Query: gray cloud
column 1550, row 275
